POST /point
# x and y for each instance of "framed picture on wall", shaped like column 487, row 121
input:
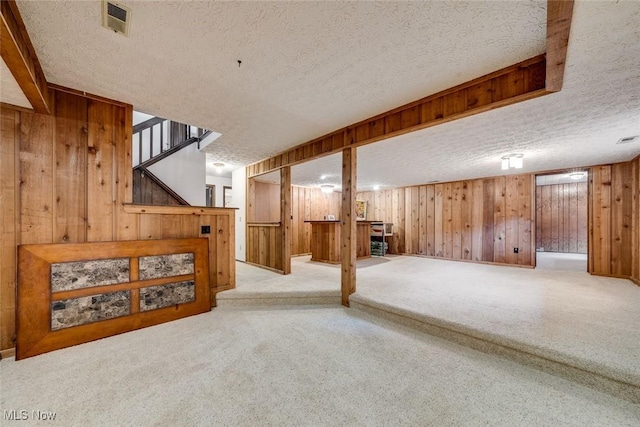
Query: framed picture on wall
column 361, row 210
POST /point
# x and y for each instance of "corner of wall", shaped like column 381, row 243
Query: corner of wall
column 239, row 200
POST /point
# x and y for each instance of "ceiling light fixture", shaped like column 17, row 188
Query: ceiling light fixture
column 627, row 139
column 219, row 167
column 512, row 161
column 376, row 187
column 577, row 175
column 326, row 188
column 323, row 177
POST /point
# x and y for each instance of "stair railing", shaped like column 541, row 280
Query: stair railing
column 155, row 136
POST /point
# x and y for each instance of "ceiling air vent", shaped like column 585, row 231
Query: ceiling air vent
column 116, row 17
column 627, row 139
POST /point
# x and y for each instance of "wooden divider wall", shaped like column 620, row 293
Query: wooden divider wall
column 263, row 201
column 480, row 220
column 561, row 217
column 65, row 178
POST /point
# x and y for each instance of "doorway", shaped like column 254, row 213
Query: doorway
column 561, row 221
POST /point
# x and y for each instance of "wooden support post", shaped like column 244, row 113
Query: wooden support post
column 348, row 224
column 285, row 218
column 559, row 13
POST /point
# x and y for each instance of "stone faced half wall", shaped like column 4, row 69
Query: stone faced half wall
column 74, row 293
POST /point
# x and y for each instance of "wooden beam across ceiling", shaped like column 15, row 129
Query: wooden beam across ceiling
column 515, row 83
column 20, row 56
column 538, row 76
column 559, row 13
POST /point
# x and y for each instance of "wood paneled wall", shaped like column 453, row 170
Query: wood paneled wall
column 479, row 220
column 147, row 192
column 561, row 217
column 65, row 177
column 263, row 201
column 309, row 204
column 612, row 250
column 181, row 222
column 635, row 212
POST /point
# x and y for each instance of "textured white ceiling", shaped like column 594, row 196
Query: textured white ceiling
column 312, row 67
column 10, row 91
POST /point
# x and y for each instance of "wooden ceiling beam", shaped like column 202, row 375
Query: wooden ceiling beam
column 516, row 83
column 559, row 14
column 534, row 77
column 20, row 56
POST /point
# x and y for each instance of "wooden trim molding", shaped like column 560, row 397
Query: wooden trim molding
column 35, row 334
column 176, row 210
column 20, row 56
column 8, row 352
column 87, row 95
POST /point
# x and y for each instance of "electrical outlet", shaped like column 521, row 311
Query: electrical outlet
column 205, row 229
column 516, row 250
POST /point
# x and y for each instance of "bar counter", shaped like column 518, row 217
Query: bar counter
column 325, row 240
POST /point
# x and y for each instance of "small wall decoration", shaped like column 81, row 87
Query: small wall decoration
column 361, row 210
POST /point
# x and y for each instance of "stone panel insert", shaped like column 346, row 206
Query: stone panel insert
column 66, row 276
column 153, row 267
column 155, row 297
column 79, row 311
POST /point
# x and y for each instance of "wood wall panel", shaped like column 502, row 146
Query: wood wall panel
column 613, row 220
column 74, row 173
column 621, row 219
column 635, row 213
column 100, row 171
column 263, row 201
column 36, row 177
column 264, row 245
column 9, row 234
column 601, row 220
column 126, row 223
column 567, row 205
column 476, row 220
column 70, row 168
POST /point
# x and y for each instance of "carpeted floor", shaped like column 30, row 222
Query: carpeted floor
column 561, row 261
column 576, row 317
column 292, row 367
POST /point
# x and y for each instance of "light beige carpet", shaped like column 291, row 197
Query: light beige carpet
column 294, row 367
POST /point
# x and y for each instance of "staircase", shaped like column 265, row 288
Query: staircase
column 154, row 140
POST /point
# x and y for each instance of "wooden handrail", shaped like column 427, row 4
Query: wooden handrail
column 147, row 124
column 178, row 135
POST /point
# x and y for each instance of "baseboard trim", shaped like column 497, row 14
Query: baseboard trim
column 8, row 352
column 275, row 270
column 470, row 261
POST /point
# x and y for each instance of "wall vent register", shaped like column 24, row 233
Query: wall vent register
column 116, row 17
